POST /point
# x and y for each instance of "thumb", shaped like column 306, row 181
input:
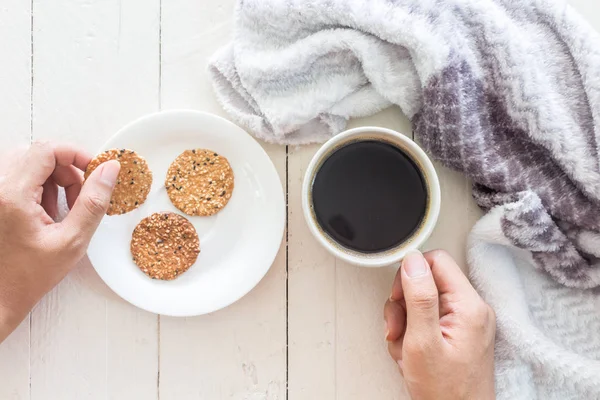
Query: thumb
column 421, row 297
column 93, row 201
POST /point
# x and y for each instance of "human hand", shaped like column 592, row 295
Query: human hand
column 440, row 331
column 37, row 253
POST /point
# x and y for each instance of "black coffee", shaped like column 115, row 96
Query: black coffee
column 369, row 196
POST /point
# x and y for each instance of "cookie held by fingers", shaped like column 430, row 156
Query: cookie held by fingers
column 133, row 183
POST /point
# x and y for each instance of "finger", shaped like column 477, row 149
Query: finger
column 92, row 203
column 69, row 155
column 395, row 349
column 72, row 194
column 37, row 164
column 397, row 293
column 421, row 297
column 66, row 176
column 50, row 198
column 451, row 282
column 71, row 179
column 42, row 158
column 394, row 315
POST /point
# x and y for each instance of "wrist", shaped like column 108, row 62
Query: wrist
column 7, row 323
column 10, row 318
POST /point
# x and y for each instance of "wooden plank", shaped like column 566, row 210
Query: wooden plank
column 15, row 114
column 238, row 352
column 339, row 327
column 96, row 68
column 311, row 296
column 15, row 74
column 336, row 346
column 361, row 294
column 362, row 364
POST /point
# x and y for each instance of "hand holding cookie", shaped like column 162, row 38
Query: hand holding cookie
column 38, row 252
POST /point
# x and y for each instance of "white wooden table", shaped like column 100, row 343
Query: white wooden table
column 78, row 70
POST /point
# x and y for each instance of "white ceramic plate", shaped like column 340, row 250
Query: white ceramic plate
column 238, row 244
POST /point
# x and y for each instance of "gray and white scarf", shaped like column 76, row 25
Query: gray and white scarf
column 506, row 91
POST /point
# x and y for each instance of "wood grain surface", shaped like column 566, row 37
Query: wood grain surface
column 77, row 71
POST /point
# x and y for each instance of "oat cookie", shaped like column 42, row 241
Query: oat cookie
column 133, row 183
column 200, row 182
column 164, row 245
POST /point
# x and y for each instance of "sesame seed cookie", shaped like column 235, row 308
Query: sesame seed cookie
column 164, row 245
column 200, row 182
column 133, row 183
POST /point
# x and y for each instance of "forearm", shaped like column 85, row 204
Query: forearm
column 15, row 305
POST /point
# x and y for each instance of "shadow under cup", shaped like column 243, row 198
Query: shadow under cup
column 371, row 195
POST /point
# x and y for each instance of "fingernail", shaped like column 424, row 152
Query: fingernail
column 414, row 264
column 387, row 335
column 401, row 366
column 110, row 172
column 391, row 298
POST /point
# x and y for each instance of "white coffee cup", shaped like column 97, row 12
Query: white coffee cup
column 408, row 147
